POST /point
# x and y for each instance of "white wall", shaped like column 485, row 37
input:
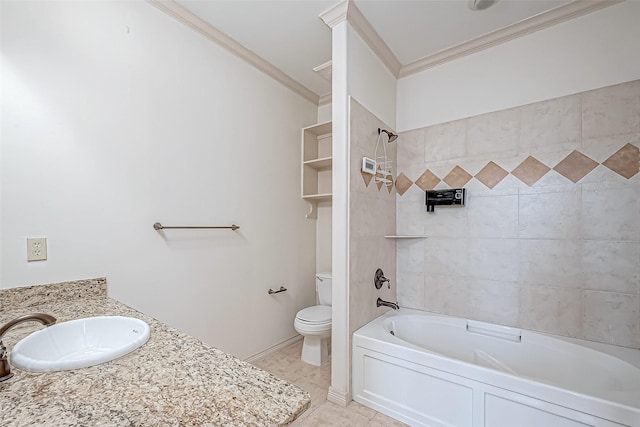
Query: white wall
column 116, row 116
column 588, row 52
column 324, row 113
column 323, row 238
column 369, row 81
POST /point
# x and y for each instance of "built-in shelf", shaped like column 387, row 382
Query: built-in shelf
column 407, row 236
column 316, row 165
column 319, row 164
column 318, row 197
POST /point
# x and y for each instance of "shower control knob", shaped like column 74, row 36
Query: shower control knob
column 379, row 279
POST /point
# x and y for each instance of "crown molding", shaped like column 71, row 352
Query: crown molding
column 373, row 39
column 348, row 11
column 183, row 15
column 324, row 99
column 335, row 14
column 519, row 29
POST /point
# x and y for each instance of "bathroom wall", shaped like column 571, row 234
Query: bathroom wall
column 116, row 116
column 560, row 60
column 371, row 217
column 324, row 113
column 550, row 237
column 323, row 237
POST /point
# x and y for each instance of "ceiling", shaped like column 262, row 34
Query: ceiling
column 290, row 35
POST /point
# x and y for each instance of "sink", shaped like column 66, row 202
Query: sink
column 79, row 343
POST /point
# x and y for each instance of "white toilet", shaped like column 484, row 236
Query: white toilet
column 314, row 324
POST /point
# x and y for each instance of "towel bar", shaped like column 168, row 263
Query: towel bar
column 158, row 226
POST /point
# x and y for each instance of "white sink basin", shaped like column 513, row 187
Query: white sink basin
column 79, row 343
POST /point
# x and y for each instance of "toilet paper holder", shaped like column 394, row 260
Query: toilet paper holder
column 271, row 291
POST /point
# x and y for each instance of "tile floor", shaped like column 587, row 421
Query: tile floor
column 286, row 364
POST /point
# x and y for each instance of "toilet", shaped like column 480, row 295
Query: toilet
column 314, row 323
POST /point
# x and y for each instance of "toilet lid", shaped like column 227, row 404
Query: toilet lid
column 315, row 314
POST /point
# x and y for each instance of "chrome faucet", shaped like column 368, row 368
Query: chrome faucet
column 393, row 305
column 5, row 367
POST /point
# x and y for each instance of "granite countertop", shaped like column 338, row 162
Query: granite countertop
column 174, row 379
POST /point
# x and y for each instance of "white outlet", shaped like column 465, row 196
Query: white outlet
column 36, row 248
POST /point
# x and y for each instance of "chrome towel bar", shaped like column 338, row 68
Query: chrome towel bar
column 158, row 226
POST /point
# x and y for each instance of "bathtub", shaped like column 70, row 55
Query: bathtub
column 431, row 370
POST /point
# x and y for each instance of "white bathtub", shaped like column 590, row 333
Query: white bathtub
column 445, row 371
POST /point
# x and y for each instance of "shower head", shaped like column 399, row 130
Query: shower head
column 392, row 136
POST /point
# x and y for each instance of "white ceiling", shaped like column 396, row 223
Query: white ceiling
column 290, row 35
column 414, row 29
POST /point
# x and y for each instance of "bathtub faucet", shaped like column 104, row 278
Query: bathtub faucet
column 393, row 305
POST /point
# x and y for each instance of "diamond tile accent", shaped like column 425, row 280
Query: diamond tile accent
column 380, row 183
column 427, row 181
column 366, row 177
column 390, row 186
column 575, row 166
column 402, row 183
column 530, row 170
column 491, row 175
column 625, row 161
column 458, row 177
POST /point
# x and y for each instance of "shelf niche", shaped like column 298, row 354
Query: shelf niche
column 316, row 166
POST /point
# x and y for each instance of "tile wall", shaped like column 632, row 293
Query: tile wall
column 550, row 237
column 372, row 215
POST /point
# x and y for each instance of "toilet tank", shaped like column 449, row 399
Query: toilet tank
column 323, row 288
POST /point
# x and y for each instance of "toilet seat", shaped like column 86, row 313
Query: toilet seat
column 315, row 320
column 315, row 315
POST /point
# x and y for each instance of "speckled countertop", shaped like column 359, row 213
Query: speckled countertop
column 174, row 379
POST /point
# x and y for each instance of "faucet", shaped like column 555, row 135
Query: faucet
column 5, row 367
column 393, row 305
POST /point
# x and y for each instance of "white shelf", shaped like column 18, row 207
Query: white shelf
column 320, row 128
column 317, row 163
column 318, row 197
column 323, row 163
column 407, row 236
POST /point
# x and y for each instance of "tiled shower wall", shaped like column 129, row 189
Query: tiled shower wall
column 550, row 237
column 371, row 216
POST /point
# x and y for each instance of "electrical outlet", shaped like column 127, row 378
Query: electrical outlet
column 36, row 248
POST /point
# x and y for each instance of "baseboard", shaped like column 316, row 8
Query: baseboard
column 338, row 397
column 273, row 349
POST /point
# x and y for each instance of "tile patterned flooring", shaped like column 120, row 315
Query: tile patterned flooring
column 286, row 364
